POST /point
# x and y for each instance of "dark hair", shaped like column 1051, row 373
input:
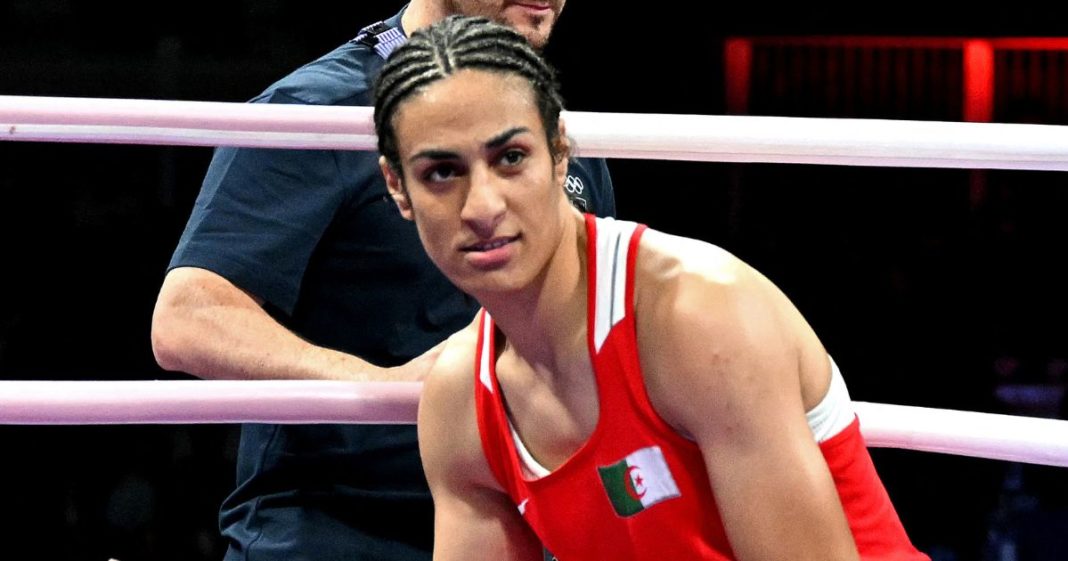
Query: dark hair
column 453, row 44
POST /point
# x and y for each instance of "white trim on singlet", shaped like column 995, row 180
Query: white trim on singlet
column 835, row 411
column 532, row 468
column 613, row 247
column 485, row 353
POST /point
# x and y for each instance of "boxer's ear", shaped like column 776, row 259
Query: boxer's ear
column 395, row 184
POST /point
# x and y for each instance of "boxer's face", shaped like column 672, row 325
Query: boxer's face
column 480, row 180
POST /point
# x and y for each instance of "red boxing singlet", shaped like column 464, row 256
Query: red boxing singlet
column 637, row 490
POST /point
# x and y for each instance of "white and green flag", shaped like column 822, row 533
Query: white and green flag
column 638, row 481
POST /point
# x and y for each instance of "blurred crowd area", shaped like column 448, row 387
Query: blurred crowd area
column 939, row 288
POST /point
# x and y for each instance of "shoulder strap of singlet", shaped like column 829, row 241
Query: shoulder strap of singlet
column 613, row 254
column 611, row 251
column 493, row 428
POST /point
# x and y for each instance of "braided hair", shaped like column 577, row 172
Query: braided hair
column 453, row 44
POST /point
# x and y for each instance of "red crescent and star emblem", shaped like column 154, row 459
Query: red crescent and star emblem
column 635, row 484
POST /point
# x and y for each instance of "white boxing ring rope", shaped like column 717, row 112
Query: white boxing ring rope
column 710, row 138
column 966, row 433
column 853, row 142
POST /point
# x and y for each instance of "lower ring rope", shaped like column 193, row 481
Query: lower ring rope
column 207, row 401
column 967, row 433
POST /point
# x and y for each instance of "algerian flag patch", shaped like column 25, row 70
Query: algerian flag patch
column 638, row 481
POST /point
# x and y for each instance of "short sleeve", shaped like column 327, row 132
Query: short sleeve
column 261, row 213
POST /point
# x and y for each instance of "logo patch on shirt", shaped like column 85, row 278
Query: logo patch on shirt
column 575, row 190
column 638, row 481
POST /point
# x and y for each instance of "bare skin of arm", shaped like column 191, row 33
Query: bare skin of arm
column 474, row 519
column 208, row 327
column 734, row 366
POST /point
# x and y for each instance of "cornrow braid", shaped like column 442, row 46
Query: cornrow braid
column 451, row 45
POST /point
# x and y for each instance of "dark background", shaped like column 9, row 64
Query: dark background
column 925, row 294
